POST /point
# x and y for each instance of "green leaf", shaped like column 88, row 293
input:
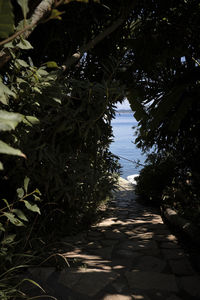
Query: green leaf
column 1, row 166
column 20, row 193
column 6, row 149
column 9, row 120
column 1, row 227
column 11, row 217
column 6, row 202
column 22, row 63
column 30, row 120
column 20, row 214
column 9, row 239
column 9, row 45
column 36, row 89
column 5, row 92
column 56, row 14
column 26, row 183
column 6, row 19
column 24, row 45
column 38, row 192
column 42, row 72
column 24, row 7
column 36, row 284
column 52, row 64
column 36, row 198
column 32, row 207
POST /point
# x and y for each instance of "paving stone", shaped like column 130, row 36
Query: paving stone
column 94, row 238
column 104, row 253
column 127, row 222
column 120, row 284
column 169, row 245
column 181, row 267
column 164, row 238
column 139, row 222
column 118, row 267
column 191, row 284
column 151, row 280
column 81, row 256
column 114, row 235
column 142, row 236
column 173, row 297
column 126, row 254
column 109, row 242
column 173, row 253
column 93, row 245
column 130, row 236
column 95, row 234
column 86, row 281
column 159, row 226
column 136, row 245
column 150, row 263
column 126, row 262
column 42, row 273
column 100, row 264
column 117, row 297
column 139, row 229
column 161, row 231
column 140, row 295
column 151, row 252
column 106, row 222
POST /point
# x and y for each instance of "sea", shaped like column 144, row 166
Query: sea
column 124, row 126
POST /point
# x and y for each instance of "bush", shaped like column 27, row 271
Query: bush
column 157, row 174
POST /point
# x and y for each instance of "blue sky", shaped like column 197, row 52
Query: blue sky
column 124, row 105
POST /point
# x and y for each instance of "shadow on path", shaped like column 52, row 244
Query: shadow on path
column 130, row 254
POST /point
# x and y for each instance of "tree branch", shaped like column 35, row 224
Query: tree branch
column 37, row 16
column 91, row 44
column 16, row 34
column 39, row 13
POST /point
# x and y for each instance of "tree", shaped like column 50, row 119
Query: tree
column 164, row 89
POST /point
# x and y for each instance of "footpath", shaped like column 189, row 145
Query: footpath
column 129, row 255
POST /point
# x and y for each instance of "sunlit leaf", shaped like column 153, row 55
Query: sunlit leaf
column 22, row 63
column 6, row 149
column 30, row 120
column 52, row 64
column 5, row 92
column 9, row 45
column 24, row 45
column 20, row 214
column 56, row 14
column 24, row 7
column 31, row 206
column 38, row 192
column 36, row 198
column 11, row 217
column 20, row 192
column 26, row 183
column 9, row 120
column 42, row 72
column 6, row 202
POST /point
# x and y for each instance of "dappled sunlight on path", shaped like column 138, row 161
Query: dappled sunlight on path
column 130, row 254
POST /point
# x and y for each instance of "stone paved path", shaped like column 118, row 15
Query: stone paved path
column 129, row 255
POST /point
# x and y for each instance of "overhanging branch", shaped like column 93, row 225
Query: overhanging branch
column 91, row 44
column 37, row 16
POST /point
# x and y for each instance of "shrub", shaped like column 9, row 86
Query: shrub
column 157, row 174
